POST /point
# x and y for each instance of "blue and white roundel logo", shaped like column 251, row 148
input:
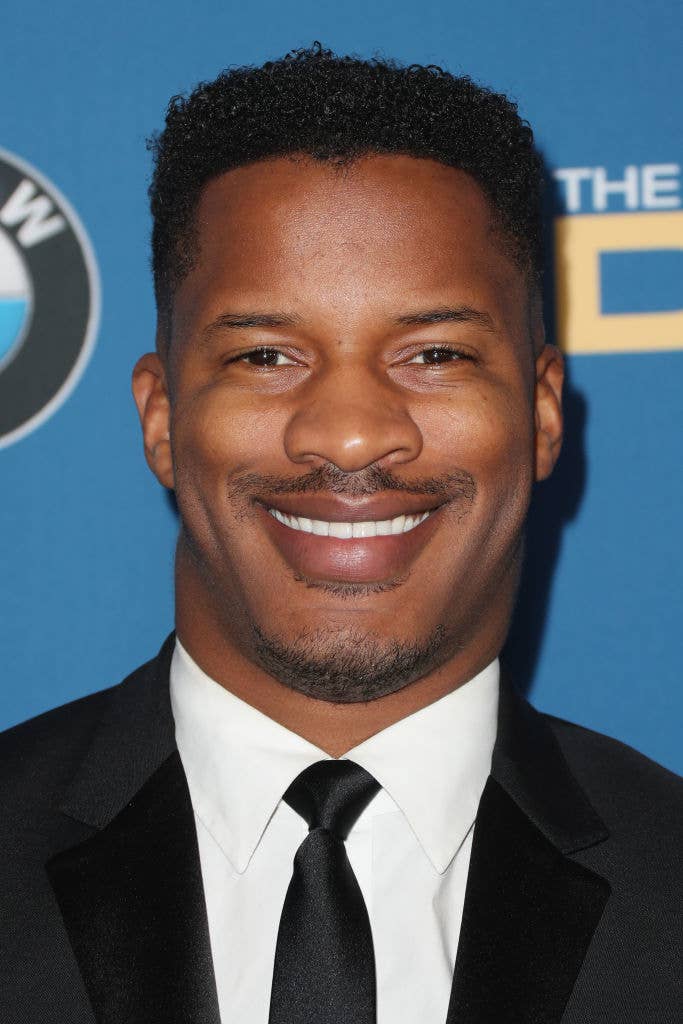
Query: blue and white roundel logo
column 15, row 297
column 49, row 299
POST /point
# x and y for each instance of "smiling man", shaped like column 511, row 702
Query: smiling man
column 321, row 802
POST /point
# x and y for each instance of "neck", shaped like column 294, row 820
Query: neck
column 334, row 728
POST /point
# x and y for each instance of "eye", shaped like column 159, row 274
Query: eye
column 438, row 354
column 262, row 357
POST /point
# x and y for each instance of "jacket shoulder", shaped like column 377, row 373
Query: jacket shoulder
column 38, row 757
column 629, row 791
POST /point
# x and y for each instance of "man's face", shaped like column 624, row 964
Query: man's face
column 353, row 347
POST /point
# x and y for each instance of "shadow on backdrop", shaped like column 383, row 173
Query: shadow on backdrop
column 556, row 501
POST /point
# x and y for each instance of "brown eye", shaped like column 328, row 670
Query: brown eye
column 262, row 357
column 440, row 354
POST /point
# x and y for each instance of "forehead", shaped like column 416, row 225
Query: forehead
column 387, row 196
column 380, row 226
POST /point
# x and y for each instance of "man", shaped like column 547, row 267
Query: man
column 321, row 802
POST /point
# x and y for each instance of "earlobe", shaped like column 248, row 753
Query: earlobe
column 548, row 410
column 150, row 392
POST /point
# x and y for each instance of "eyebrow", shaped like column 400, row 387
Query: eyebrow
column 242, row 320
column 447, row 315
column 419, row 318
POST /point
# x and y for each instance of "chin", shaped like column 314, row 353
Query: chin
column 347, row 664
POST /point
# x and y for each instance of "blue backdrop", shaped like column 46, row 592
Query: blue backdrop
column 87, row 534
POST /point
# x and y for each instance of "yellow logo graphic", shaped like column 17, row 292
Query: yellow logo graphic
column 580, row 240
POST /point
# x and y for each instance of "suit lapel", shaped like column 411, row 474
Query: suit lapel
column 131, row 893
column 529, row 916
column 530, row 911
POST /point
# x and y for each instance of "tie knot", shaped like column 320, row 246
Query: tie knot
column 332, row 795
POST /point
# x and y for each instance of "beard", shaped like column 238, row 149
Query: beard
column 349, row 666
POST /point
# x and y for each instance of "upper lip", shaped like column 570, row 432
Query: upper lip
column 337, row 510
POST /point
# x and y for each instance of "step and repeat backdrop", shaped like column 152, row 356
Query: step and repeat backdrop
column 87, row 536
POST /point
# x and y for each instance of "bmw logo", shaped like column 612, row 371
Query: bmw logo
column 49, row 299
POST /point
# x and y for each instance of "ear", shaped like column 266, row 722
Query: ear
column 150, row 391
column 548, row 409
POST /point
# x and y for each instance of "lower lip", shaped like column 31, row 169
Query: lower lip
column 356, row 560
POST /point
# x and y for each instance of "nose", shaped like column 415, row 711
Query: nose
column 353, row 418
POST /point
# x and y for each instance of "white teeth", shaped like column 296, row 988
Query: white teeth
column 341, row 530
column 364, row 529
column 345, row 531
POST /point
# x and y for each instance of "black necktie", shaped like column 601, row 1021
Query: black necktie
column 324, row 961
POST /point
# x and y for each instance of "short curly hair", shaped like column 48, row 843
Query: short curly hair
column 335, row 108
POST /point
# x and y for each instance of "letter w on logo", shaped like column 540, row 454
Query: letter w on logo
column 33, row 212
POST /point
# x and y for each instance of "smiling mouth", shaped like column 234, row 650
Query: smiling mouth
column 349, row 531
column 350, row 546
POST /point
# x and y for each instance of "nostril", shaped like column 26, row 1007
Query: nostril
column 351, row 435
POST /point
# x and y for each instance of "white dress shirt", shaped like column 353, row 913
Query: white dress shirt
column 409, row 849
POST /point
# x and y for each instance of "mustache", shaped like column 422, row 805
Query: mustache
column 373, row 480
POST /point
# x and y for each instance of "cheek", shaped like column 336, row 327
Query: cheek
column 484, row 429
column 488, row 432
column 217, row 435
column 507, row 426
column 506, row 469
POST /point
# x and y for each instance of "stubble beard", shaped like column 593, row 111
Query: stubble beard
column 349, row 666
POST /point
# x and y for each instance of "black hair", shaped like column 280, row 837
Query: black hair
column 337, row 109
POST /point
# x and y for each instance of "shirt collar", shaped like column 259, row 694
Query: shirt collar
column 435, row 763
column 239, row 762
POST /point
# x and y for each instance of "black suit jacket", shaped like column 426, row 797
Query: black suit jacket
column 572, row 910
